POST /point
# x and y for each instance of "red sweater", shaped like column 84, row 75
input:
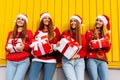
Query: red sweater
column 26, row 51
column 82, row 52
column 91, row 53
column 54, row 41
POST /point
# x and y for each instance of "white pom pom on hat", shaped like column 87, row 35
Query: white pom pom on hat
column 77, row 17
column 105, row 20
column 22, row 16
column 44, row 15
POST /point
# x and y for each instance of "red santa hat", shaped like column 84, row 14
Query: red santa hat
column 105, row 20
column 22, row 16
column 77, row 17
column 44, row 15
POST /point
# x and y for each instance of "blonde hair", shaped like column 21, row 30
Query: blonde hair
column 95, row 33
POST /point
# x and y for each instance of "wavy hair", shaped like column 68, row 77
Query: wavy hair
column 78, row 33
column 50, row 29
column 22, row 34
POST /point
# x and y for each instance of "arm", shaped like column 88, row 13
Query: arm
column 82, row 52
column 9, row 34
column 28, row 40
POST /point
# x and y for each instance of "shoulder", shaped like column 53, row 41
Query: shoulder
column 89, row 32
column 56, row 29
column 37, row 32
column 10, row 32
column 28, row 31
column 66, row 32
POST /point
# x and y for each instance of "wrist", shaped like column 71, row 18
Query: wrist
column 78, row 56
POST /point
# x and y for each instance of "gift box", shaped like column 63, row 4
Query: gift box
column 68, row 47
column 100, row 43
column 13, row 44
column 40, row 46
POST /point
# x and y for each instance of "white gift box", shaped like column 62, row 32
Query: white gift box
column 68, row 50
column 13, row 48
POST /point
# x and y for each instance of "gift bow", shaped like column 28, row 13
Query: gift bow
column 71, row 42
column 38, row 43
column 13, row 42
column 99, row 41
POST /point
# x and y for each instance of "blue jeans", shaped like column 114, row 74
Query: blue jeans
column 73, row 69
column 49, row 69
column 17, row 70
column 97, row 68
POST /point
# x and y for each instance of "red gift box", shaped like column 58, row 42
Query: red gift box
column 40, row 46
column 68, row 47
column 100, row 43
column 13, row 44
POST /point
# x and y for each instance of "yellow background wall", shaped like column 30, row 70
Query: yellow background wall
column 61, row 10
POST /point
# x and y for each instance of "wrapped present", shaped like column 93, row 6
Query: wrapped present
column 100, row 43
column 13, row 44
column 40, row 46
column 68, row 47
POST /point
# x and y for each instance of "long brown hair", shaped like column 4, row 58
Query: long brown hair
column 22, row 34
column 78, row 33
column 95, row 33
column 50, row 29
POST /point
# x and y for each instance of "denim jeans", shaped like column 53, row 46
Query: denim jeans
column 73, row 69
column 97, row 68
column 17, row 70
column 48, row 72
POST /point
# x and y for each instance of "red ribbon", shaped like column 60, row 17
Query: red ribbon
column 71, row 43
column 14, row 42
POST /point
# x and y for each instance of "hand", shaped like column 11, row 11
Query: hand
column 58, row 44
column 76, row 56
column 90, row 45
column 8, row 49
column 34, row 56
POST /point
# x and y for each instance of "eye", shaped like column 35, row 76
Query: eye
column 97, row 20
column 22, row 19
column 18, row 18
column 101, row 21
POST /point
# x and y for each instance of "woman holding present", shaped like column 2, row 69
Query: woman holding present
column 18, row 49
column 74, row 67
column 47, row 61
column 98, row 44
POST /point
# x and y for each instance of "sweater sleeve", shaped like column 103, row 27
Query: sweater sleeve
column 107, row 49
column 8, row 37
column 82, row 52
column 28, row 41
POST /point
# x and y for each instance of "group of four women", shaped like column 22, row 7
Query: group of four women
column 18, row 60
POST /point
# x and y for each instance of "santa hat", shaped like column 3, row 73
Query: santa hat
column 22, row 16
column 44, row 15
column 77, row 17
column 105, row 20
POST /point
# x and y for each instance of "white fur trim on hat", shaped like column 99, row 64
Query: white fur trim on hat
column 103, row 19
column 76, row 17
column 43, row 15
column 22, row 16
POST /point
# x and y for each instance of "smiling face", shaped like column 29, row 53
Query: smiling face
column 20, row 21
column 73, row 23
column 99, row 23
column 46, row 20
